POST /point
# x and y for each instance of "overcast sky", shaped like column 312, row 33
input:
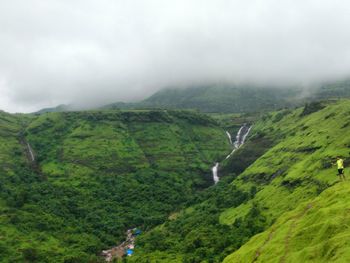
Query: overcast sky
column 93, row 52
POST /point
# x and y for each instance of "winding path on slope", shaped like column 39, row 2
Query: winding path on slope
column 288, row 236
column 290, row 231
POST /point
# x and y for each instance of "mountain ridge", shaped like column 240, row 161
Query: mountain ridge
column 228, row 98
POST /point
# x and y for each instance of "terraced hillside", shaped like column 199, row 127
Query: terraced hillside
column 96, row 174
column 295, row 166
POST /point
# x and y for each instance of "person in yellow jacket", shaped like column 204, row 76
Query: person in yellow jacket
column 340, row 166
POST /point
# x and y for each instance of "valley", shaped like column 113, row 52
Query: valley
column 294, row 168
column 85, row 178
column 174, row 131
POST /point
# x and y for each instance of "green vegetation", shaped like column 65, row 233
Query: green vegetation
column 295, row 171
column 194, row 235
column 291, row 164
column 96, row 175
column 331, row 90
column 316, row 231
column 219, row 98
column 239, row 98
column 225, row 98
column 99, row 173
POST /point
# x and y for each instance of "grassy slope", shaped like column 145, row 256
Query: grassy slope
column 302, row 167
column 100, row 174
column 296, row 169
column 316, row 231
column 121, row 143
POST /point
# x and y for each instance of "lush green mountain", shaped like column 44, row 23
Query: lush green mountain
column 239, row 99
column 230, row 98
column 219, row 98
column 98, row 173
column 95, row 175
column 293, row 152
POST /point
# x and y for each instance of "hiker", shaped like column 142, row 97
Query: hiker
column 340, row 166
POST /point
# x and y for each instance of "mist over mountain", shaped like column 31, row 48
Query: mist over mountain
column 90, row 53
column 189, row 131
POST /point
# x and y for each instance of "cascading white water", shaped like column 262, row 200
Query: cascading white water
column 229, row 137
column 245, row 136
column 240, row 139
column 236, row 144
column 30, row 150
column 215, row 173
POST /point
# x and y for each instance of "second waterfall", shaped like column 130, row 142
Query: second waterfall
column 240, row 139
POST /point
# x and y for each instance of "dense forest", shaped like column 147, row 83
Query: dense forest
column 97, row 174
column 72, row 183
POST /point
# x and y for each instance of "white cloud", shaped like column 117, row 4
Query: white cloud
column 92, row 52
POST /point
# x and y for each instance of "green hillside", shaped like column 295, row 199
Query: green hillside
column 297, row 149
column 95, row 175
column 316, row 231
column 98, row 173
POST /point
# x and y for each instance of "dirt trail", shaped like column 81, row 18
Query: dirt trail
column 287, row 239
column 290, row 231
column 259, row 250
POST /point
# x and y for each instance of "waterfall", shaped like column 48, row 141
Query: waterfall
column 229, row 137
column 215, row 173
column 240, row 139
column 236, row 144
column 30, row 150
column 245, row 135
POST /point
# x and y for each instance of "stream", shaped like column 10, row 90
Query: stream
column 240, row 139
